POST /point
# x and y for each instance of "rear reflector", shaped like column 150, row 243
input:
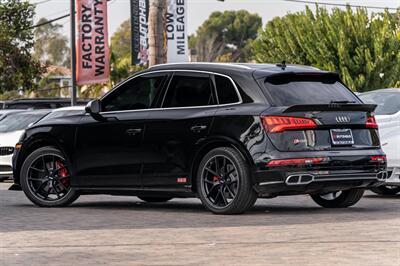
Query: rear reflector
column 276, row 124
column 371, row 122
column 297, row 161
column 379, row 158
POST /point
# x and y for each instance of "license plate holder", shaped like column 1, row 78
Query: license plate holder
column 342, row 137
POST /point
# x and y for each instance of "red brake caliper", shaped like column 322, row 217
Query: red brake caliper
column 216, row 179
column 62, row 172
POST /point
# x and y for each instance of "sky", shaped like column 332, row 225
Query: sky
column 198, row 10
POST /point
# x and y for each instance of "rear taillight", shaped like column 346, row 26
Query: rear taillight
column 297, row 161
column 276, row 124
column 378, row 158
column 371, row 122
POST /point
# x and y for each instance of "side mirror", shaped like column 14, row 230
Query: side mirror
column 94, row 108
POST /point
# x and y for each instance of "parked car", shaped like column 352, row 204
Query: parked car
column 388, row 118
column 226, row 133
column 65, row 112
column 4, row 113
column 40, row 103
column 11, row 129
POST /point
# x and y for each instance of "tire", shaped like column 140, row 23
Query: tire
column 386, row 190
column 231, row 182
column 345, row 199
column 36, row 182
column 155, row 199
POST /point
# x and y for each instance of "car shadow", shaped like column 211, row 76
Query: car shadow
column 131, row 213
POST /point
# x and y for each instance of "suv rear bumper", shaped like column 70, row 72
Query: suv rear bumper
column 311, row 183
column 338, row 173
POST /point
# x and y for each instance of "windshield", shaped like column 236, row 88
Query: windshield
column 18, row 121
column 388, row 102
column 293, row 90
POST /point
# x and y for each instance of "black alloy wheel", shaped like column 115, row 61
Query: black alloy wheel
column 45, row 178
column 224, row 184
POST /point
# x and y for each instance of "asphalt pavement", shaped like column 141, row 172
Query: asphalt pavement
column 107, row 230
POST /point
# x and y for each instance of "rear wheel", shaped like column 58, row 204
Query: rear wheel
column 155, row 199
column 339, row 199
column 224, row 182
column 45, row 178
column 386, row 190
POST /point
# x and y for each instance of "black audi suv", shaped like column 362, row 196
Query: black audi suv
column 226, row 133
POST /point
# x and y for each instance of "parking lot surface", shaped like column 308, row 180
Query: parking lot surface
column 100, row 230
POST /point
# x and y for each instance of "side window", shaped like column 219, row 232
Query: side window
column 137, row 94
column 185, row 91
column 225, row 90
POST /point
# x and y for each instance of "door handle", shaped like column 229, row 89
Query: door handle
column 133, row 131
column 198, row 128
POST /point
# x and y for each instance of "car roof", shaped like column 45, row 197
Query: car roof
column 381, row 90
column 258, row 70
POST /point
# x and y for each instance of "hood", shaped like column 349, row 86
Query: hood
column 9, row 139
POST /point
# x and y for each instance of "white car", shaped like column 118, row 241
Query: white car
column 12, row 126
column 387, row 115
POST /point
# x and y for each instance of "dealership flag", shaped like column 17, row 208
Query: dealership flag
column 176, row 30
column 93, row 65
column 139, row 31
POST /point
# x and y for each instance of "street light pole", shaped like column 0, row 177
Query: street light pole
column 73, row 53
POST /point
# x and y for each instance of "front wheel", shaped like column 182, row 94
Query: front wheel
column 224, row 182
column 339, row 199
column 386, row 190
column 45, row 178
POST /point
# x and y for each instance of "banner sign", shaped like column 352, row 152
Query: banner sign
column 93, row 54
column 139, row 31
column 176, row 30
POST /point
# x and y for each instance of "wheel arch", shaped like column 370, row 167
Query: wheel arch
column 35, row 142
column 207, row 145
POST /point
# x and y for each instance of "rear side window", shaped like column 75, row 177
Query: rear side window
column 186, row 91
column 226, row 90
column 287, row 90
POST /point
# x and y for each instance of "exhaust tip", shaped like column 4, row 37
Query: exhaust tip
column 299, row 180
column 382, row 176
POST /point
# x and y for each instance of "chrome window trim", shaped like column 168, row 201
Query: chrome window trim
column 177, row 108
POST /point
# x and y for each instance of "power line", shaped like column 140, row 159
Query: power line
column 337, row 4
column 49, row 21
column 42, row 2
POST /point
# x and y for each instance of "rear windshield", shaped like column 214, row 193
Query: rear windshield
column 287, row 90
column 388, row 102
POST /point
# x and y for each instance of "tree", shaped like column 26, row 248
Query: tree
column 226, row 36
column 18, row 68
column 156, row 32
column 364, row 49
column 51, row 46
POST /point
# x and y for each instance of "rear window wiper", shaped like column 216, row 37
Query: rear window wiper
column 341, row 102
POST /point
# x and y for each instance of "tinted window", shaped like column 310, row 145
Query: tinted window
column 138, row 93
column 226, row 91
column 18, row 121
column 293, row 90
column 388, row 102
column 189, row 91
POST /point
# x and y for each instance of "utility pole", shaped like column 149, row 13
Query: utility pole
column 73, row 53
column 157, row 11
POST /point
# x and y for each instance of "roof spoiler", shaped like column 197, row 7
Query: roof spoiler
column 330, row 107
